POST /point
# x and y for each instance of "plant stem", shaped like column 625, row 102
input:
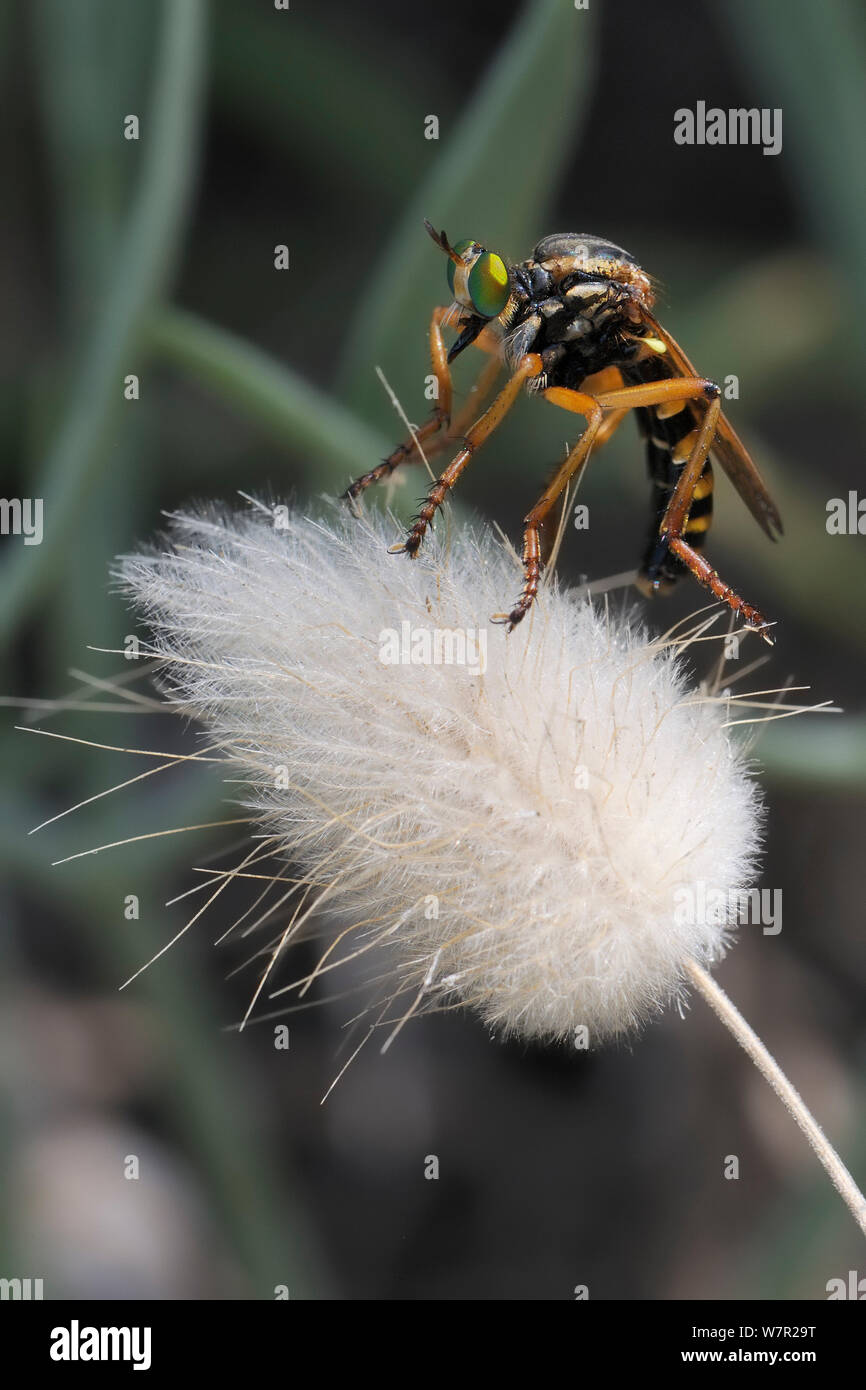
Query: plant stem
column 790, row 1098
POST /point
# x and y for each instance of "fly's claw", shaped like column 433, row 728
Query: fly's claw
column 762, row 628
column 411, row 545
column 532, row 568
column 510, row 620
column 754, row 620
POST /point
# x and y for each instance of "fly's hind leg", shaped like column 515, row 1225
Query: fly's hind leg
column 706, row 575
column 661, row 568
column 675, row 524
column 675, row 519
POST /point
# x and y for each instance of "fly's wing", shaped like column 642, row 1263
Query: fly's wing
column 727, row 446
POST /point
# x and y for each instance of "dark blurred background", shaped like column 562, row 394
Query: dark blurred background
column 155, row 257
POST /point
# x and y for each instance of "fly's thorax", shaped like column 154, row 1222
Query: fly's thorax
column 566, row 254
column 579, row 316
column 626, row 274
column 579, row 297
column 580, row 246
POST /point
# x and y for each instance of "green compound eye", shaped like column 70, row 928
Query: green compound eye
column 459, row 248
column 488, row 284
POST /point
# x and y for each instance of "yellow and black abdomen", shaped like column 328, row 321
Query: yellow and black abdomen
column 670, row 431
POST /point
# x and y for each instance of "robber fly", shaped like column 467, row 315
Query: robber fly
column 574, row 325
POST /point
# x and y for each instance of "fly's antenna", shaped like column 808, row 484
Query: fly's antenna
column 443, row 243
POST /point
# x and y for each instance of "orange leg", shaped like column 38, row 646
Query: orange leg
column 677, row 514
column 620, row 401
column 478, row 392
column 706, row 575
column 597, row 433
column 591, row 408
column 609, row 426
column 529, row 366
column 437, row 432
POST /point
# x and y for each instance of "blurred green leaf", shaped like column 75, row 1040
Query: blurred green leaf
column 493, row 180
column 92, row 59
column 336, row 445
column 809, row 60
column 142, row 268
column 277, row 89
column 827, row 751
column 807, row 568
column 761, row 323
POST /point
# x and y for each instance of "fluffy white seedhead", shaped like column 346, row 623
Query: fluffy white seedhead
column 519, row 826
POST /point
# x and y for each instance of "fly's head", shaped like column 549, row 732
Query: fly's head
column 480, row 284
